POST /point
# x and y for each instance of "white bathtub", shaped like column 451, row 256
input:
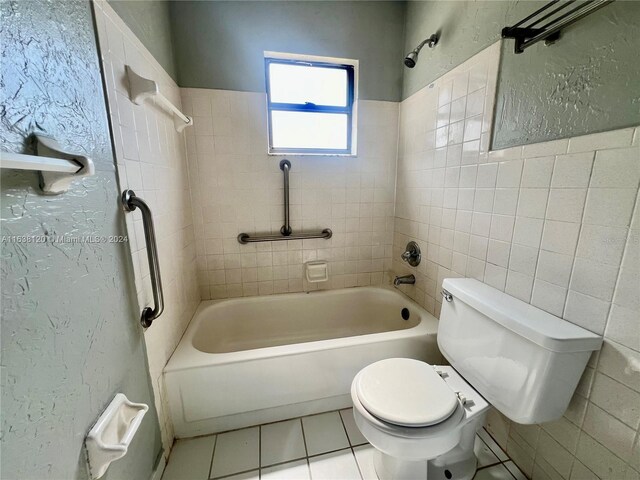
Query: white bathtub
column 254, row 360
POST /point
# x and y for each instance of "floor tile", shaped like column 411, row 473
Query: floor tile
column 324, row 433
column 364, row 457
column 515, row 471
column 281, row 442
column 337, row 465
column 491, row 443
column 483, row 453
column 355, row 437
column 190, row 459
column 497, row 472
column 298, row 470
column 236, row 451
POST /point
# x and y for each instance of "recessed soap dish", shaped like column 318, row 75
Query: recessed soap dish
column 316, row 271
column 110, row 437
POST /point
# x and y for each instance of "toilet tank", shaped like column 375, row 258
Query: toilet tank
column 523, row 360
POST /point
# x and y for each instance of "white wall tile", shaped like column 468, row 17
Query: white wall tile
column 532, row 202
column 616, row 168
column 572, row 171
column 599, row 141
column 537, row 172
column 560, row 237
column 549, row 297
column 586, row 311
column 616, row 399
column 528, row 231
column 509, row 174
column 603, row 244
column 555, row 147
column 594, row 279
column 554, row 268
column 599, row 459
column 609, row 206
column 523, row 259
column 566, row 204
column 610, row 432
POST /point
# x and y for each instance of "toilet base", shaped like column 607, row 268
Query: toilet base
column 390, row 468
column 459, row 463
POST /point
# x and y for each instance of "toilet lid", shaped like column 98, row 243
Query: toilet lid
column 405, row 392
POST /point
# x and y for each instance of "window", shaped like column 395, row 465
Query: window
column 310, row 105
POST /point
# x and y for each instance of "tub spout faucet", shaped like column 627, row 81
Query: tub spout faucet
column 404, row 280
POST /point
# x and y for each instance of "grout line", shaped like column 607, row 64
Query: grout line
column 215, row 444
column 237, row 473
column 575, row 251
column 344, row 428
column 355, row 459
column 278, row 464
column 309, row 468
column 328, row 452
column 304, row 438
column 259, row 446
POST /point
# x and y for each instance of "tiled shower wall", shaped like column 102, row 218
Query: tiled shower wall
column 151, row 160
column 238, row 188
column 555, row 224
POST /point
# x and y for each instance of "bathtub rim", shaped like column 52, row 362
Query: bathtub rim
column 187, row 357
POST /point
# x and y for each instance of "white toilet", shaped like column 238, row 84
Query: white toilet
column 505, row 353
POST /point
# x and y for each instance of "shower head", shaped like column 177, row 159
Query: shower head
column 412, row 57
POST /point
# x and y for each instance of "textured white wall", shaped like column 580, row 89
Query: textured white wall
column 69, row 331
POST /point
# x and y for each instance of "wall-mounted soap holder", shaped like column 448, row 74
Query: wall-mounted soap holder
column 110, row 437
column 316, row 271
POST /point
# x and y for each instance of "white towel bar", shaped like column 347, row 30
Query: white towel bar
column 141, row 88
column 57, row 168
column 22, row 161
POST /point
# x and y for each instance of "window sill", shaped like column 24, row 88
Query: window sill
column 307, row 154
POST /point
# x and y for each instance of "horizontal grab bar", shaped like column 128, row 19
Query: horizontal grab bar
column 246, row 238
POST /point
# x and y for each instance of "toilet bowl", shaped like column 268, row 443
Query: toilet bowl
column 420, row 418
column 504, row 353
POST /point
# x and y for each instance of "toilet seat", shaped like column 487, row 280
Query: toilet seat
column 405, row 392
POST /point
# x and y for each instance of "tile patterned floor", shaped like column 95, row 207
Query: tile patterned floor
column 327, row 446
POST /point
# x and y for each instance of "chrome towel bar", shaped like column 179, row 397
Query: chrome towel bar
column 130, row 202
column 286, row 231
column 529, row 31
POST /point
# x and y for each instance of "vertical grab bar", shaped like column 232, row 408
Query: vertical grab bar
column 130, row 202
column 285, row 166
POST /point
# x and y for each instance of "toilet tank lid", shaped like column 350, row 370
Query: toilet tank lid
column 536, row 325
